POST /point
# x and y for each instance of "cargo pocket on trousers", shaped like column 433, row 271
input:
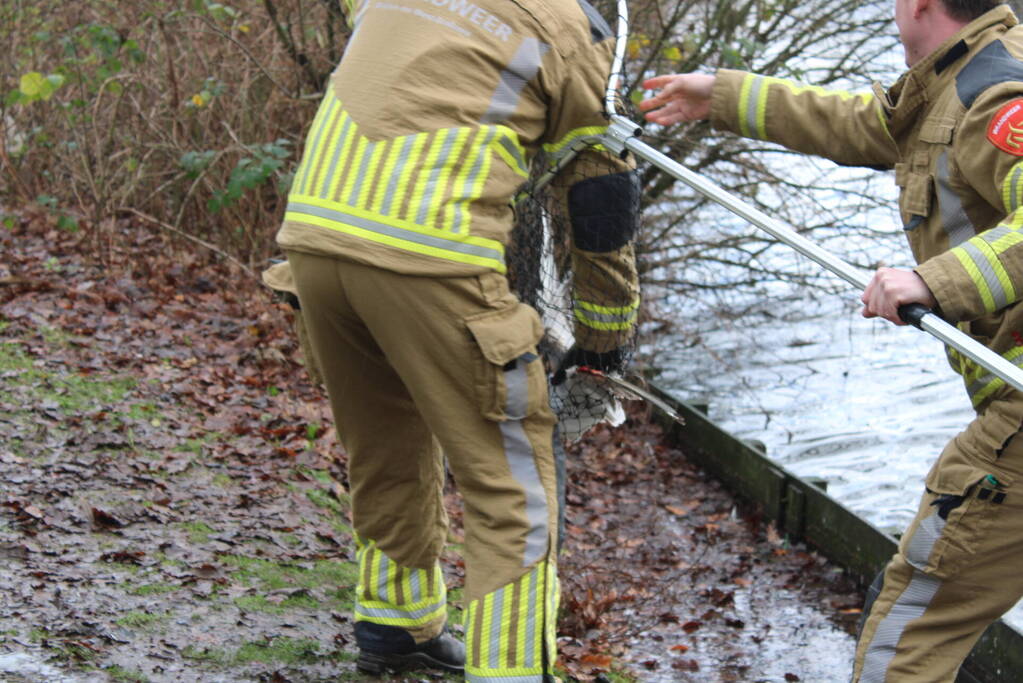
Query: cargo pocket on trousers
column 950, row 537
column 509, row 377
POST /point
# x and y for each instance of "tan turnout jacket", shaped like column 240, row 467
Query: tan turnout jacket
column 952, row 128
column 417, row 151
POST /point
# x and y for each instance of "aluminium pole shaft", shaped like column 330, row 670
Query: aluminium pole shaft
column 623, row 134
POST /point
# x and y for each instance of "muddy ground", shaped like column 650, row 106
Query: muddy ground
column 172, row 505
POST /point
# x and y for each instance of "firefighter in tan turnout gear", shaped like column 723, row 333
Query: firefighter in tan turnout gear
column 396, row 230
column 952, row 129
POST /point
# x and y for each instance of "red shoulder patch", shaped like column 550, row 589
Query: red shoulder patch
column 1006, row 128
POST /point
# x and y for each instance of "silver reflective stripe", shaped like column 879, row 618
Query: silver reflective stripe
column 392, row 184
column 517, row 386
column 983, row 264
column 520, row 70
column 482, row 152
column 447, row 138
column 533, row 581
column 513, row 149
column 927, row 533
column 390, row 613
column 607, row 317
column 474, row 678
column 417, row 589
column 382, row 578
column 396, row 232
column 360, row 177
column 496, row 619
column 953, row 217
column 332, row 169
column 1014, row 187
column 519, row 453
column 759, row 82
column 910, row 605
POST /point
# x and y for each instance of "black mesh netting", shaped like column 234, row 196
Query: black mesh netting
column 540, row 271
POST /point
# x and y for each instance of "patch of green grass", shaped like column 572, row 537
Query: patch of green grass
column 275, row 575
column 259, row 603
column 71, row 392
column 212, row 655
column 325, row 499
column 120, row 674
column 222, row 480
column 456, row 614
column 137, row 619
column 198, row 532
column 152, row 589
column 193, row 446
column 280, row 650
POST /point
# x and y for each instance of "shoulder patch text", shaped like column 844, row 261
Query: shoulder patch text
column 1006, row 128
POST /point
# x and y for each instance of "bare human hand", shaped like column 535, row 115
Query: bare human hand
column 682, row 97
column 891, row 288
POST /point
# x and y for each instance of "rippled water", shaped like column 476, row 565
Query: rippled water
column 863, row 404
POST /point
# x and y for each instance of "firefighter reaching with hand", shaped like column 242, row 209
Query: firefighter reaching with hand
column 952, row 129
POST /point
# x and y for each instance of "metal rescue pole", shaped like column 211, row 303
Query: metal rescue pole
column 623, row 135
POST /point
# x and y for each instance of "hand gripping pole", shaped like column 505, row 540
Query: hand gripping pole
column 623, row 135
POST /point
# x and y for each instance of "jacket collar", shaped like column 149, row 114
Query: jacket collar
column 931, row 75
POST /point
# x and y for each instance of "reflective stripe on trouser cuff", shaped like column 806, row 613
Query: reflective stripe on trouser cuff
column 509, row 633
column 911, row 603
column 522, row 463
column 397, row 596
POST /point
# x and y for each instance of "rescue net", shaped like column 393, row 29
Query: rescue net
column 541, row 271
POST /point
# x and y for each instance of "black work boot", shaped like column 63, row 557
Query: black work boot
column 392, row 648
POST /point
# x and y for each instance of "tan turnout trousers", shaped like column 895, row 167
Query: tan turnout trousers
column 417, row 367
column 958, row 567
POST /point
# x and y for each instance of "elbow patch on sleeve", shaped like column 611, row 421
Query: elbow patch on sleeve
column 604, row 211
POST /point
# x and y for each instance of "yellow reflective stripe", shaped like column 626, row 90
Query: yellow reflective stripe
column 573, row 135
column 351, row 177
column 406, row 171
column 332, row 128
column 522, row 636
column 606, row 317
column 441, row 196
column 609, row 310
column 980, row 383
column 1012, row 188
column 468, row 249
column 978, row 279
column 753, row 95
column 476, row 189
column 347, row 144
column 374, row 162
column 602, row 325
column 744, row 94
column 516, row 161
column 377, row 596
column 432, row 156
column 980, row 257
column 488, row 617
column 311, row 146
column 465, row 180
